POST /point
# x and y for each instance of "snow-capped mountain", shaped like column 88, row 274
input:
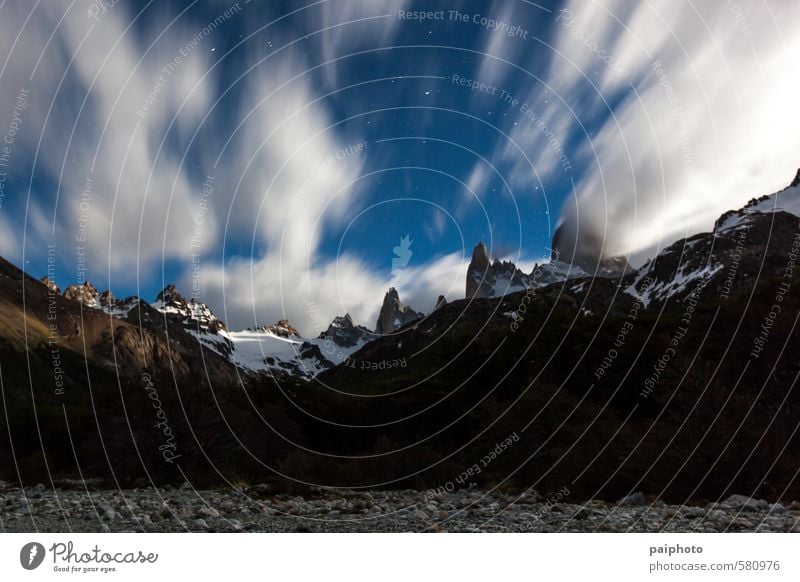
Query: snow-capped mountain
column 786, row 200
column 345, row 333
column 279, row 348
column 117, row 307
column 749, row 243
column 746, row 244
column 275, row 349
column 88, row 295
column 193, row 314
column 486, row 279
column 85, row 294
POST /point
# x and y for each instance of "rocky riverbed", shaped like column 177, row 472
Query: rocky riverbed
column 257, row 509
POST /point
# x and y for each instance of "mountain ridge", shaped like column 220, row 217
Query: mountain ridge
column 280, row 349
column 608, row 382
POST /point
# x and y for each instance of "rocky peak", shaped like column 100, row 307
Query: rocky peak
column 345, row 333
column 342, row 321
column 486, row 279
column 85, row 294
column 440, row 302
column 107, row 299
column 281, row 328
column 170, row 295
column 394, row 314
column 479, row 273
column 51, row 285
column 116, row 307
column 786, row 200
column 88, row 296
column 480, row 256
column 194, row 315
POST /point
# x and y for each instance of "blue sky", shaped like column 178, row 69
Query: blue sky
column 327, row 131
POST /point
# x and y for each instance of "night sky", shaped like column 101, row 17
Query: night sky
column 268, row 157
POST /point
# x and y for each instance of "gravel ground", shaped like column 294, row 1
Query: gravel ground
column 256, row 509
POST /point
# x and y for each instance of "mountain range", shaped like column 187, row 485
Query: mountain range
column 676, row 378
column 280, row 349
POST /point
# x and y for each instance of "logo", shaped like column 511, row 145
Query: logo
column 31, row 555
column 403, row 254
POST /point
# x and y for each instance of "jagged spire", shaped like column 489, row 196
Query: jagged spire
column 169, row 293
column 86, row 294
column 393, row 313
column 50, row 284
column 479, row 268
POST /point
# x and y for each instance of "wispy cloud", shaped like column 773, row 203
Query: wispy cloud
column 702, row 122
column 112, row 181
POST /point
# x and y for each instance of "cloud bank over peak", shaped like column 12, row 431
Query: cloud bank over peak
column 703, row 100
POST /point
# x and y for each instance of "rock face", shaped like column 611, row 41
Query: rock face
column 344, row 333
column 478, row 271
column 281, row 328
column 487, row 279
column 394, row 314
column 745, row 244
column 85, row 294
column 89, row 296
column 194, row 315
column 796, row 182
column 107, row 299
column 51, row 285
column 132, row 351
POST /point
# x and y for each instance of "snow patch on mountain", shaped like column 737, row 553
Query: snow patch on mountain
column 265, row 351
column 121, row 308
column 276, row 349
column 786, row 200
column 684, row 278
column 486, row 279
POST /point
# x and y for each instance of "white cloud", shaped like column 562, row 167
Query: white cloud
column 263, row 291
column 499, row 47
column 420, row 286
column 369, row 24
column 711, row 127
column 478, row 180
column 87, row 85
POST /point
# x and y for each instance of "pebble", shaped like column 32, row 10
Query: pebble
column 207, row 512
column 777, row 509
column 744, row 503
column 172, row 509
column 633, row 500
